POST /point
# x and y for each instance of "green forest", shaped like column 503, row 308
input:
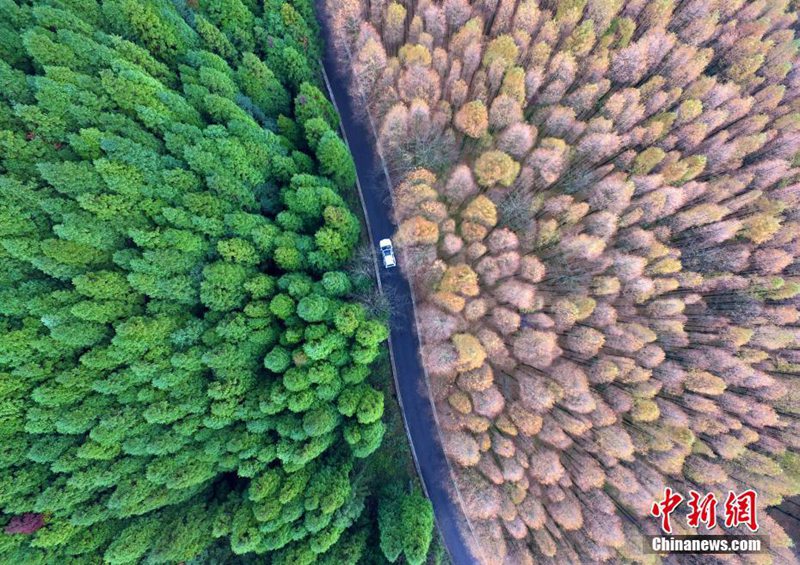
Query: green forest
column 189, row 371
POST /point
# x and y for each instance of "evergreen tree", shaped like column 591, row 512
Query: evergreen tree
column 173, row 345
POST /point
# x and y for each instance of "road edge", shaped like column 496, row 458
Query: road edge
column 461, row 503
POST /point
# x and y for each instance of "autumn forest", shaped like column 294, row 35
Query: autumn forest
column 597, row 204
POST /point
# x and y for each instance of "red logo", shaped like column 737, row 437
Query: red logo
column 740, row 510
column 666, row 507
column 702, row 510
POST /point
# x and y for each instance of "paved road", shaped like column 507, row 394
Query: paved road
column 404, row 342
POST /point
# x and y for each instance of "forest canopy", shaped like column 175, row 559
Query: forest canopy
column 599, row 210
column 185, row 364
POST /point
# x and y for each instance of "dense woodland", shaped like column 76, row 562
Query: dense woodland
column 187, row 365
column 599, row 208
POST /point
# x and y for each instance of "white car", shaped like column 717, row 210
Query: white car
column 387, row 252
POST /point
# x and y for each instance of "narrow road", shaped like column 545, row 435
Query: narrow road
column 412, row 388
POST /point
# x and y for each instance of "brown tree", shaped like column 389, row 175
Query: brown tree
column 472, row 119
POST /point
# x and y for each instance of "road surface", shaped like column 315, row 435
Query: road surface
column 410, row 381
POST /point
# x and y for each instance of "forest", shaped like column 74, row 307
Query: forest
column 598, row 208
column 191, row 366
